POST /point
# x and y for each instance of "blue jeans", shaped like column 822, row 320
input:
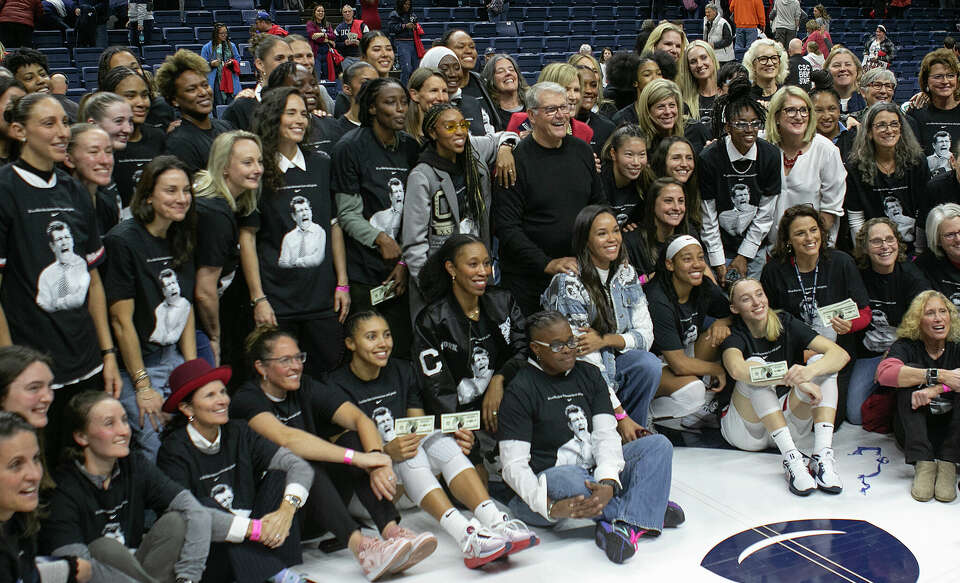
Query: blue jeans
column 638, row 376
column 645, row 479
column 407, row 59
column 861, row 386
column 159, row 365
column 745, row 37
column 204, row 350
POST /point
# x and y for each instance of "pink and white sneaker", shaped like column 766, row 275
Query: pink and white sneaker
column 380, row 557
column 421, row 546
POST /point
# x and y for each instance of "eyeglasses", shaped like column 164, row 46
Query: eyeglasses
column 553, row 110
column 557, row 346
column 951, row 236
column 879, row 85
column 747, row 125
column 883, row 125
column 767, row 59
column 452, row 127
column 288, row 361
column 878, row 242
column 944, row 77
column 796, row 111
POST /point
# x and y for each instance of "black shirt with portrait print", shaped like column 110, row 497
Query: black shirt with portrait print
column 890, row 296
column 394, row 391
column 192, row 144
column 899, row 198
column 128, row 163
column 913, row 353
column 539, row 409
column 944, row 275
column 136, row 262
column 296, row 262
column 626, row 201
column 926, row 123
column 44, row 298
column 794, row 338
column 837, row 278
column 363, row 166
column 217, row 238
column 677, row 326
column 310, row 408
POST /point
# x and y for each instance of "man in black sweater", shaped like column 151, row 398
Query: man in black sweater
column 556, row 178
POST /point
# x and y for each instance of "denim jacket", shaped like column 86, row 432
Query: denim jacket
column 567, row 295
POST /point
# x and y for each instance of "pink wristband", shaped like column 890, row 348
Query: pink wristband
column 402, row 262
column 946, row 389
column 348, row 457
column 620, row 416
column 343, row 288
column 255, row 531
column 643, row 279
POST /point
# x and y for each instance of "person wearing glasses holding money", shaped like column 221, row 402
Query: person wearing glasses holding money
column 387, row 390
column 765, row 350
column 295, row 411
column 820, row 286
column 924, row 363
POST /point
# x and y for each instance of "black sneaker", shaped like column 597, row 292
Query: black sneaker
column 619, row 542
column 674, row 515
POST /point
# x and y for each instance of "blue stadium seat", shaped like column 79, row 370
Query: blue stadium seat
column 180, row 34
column 75, row 93
column 555, row 44
column 534, row 28
column 155, row 54
column 563, row 27
column 584, row 13
column 196, row 47
column 118, row 36
column 73, row 76
column 238, row 34
column 205, row 33
column 606, row 40
column 165, row 18
column 43, row 39
column 484, row 29
column 439, row 14
column 604, row 12
column 530, row 76
column 433, row 29
column 220, row 110
column 300, row 29
column 507, row 44
column 87, row 56
column 605, row 27
column 59, row 57
column 228, row 17
column 631, row 27
column 90, row 77
column 287, row 17
column 627, row 12
column 529, row 62
column 199, row 18
column 242, row 4
column 536, row 13
column 465, row 14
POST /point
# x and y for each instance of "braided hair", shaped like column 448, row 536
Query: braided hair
column 739, row 97
column 467, row 161
column 367, row 97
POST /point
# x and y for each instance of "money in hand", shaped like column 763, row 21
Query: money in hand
column 419, row 425
column 846, row 309
column 772, row 371
column 383, row 293
column 450, row 422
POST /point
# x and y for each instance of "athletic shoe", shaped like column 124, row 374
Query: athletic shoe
column 706, row 416
column 674, row 515
column 381, row 557
column 823, row 466
column 619, row 541
column 517, row 533
column 421, row 546
column 480, row 546
column 798, row 476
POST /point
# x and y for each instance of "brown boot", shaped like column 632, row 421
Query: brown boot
column 945, row 489
column 925, row 475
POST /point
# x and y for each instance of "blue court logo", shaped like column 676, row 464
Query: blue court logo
column 813, row 550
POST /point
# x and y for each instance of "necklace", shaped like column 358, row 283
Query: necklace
column 474, row 314
column 789, row 162
column 887, row 167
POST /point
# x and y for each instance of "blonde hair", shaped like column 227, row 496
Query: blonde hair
column 655, row 92
column 841, row 50
column 751, row 54
column 910, row 323
column 597, row 69
column 560, row 73
column 773, row 327
column 657, row 32
column 688, row 85
column 211, row 183
column 776, row 105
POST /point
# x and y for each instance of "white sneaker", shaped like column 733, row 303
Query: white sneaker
column 705, row 416
column 480, row 545
column 515, row 531
column 798, row 477
column 823, row 466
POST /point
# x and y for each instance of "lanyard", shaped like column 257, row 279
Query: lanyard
column 803, row 290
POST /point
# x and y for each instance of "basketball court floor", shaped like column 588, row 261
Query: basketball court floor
column 742, row 525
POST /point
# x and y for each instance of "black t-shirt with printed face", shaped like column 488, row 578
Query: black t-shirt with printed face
column 192, row 144
column 706, row 110
column 361, row 165
column 913, row 353
column 944, row 276
column 794, row 338
column 737, row 188
column 677, row 326
column 897, row 198
column 383, row 399
column 80, row 512
column 128, row 163
column 226, row 480
column 936, row 130
column 140, row 268
column 49, row 241
column 294, row 240
column 624, row 201
column 108, row 207
column 217, row 238
column 890, row 296
column 310, row 408
column 554, row 414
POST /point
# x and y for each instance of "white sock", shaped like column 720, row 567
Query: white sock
column 488, row 514
column 822, row 436
column 454, row 523
column 784, row 440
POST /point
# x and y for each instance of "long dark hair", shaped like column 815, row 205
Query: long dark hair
column 11, row 424
column 467, row 161
column 434, row 281
column 605, row 321
column 739, row 96
column 783, row 250
column 266, row 124
column 13, row 146
column 213, row 35
column 181, row 235
column 647, row 226
column 368, row 37
column 691, row 190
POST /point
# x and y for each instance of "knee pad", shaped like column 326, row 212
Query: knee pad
column 446, row 457
column 418, row 480
column 764, row 400
column 683, row 401
column 829, row 393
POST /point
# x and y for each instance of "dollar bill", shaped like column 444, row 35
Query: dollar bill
column 450, row 422
column 846, row 309
column 383, row 293
column 771, row 371
column 421, row 425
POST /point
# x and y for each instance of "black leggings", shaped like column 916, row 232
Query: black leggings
column 351, row 480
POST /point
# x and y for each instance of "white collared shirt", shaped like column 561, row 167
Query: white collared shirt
column 298, row 160
column 734, row 154
column 201, row 442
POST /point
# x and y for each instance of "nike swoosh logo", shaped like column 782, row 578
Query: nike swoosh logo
column 780, row 538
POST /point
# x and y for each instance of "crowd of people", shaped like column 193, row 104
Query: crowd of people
column 217, row 332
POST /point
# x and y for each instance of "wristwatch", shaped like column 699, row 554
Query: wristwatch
column 617, row 488
column 294, row 500
column 932, row 376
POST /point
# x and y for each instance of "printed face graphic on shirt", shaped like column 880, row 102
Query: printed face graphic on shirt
column 63, row 284
column 578, row 450
column 304, row 245
column 384, row 420
column 880, row 335
column 223, row 494
column 113, row 530
column 690, row 336
column 172, row 313
column 893, row 208
column 388, row 220
column 955, row 298
column 481, row 362
column 939, row 161
column 736, row 220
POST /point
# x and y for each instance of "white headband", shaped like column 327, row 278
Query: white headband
column 679, row 243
